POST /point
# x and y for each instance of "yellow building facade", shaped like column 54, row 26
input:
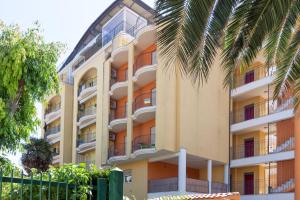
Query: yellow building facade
column 119, row 106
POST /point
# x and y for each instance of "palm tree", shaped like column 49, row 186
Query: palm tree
column 38, row 154
column 191, row 33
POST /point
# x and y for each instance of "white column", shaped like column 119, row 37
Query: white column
column 209, row 175
column 182, row 171
column 226, row 176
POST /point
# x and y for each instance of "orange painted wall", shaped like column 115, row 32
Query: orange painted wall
column 145, row 89
column 121, row 107
column 144, row 58
column 297, row 153
column 119, row 143
column 285, row 130
column 121, row 73
column 160, row 170
column 143, row 129
column 285, row 171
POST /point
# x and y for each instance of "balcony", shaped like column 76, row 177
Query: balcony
column 254, row 152
column 87, row 116
column 117, row 152
column 145, row 68
column 53, row 134
column 56, row 156
column 257, row 114
column 118, row 119
column 52, row 113
column 144, row 106
column 260, row 147
column 254, row 80
column 87, row 90
column 86, row 142
column 84, row 159
column 143, row 144
column 145, row 36
column 192, row 185
column 263, row 186
column 118, row 84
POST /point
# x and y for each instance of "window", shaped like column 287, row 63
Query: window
column 128, row 176
column 153, row 57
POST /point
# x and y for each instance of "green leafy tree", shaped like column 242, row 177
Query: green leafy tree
column 191, row 33
column 38, row 154
column 27, row 75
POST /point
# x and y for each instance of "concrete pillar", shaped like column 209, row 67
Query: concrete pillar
column 226, row 176
column 182, row 171
column 129, row 134
column 209, row 175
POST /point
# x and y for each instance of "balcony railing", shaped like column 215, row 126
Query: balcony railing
column 262, row 186
column 148, row 58
column 195, row 185
column 118, row 113
column 84, row 159
column 219, row 187
column 262, row 147
column 143, row 142
column 87, row 138
column 192, row 185
column 87, row 84
column 252, row 75
column 260, row 109
column 118, row 149
column 144, row 100
column 53, row 130
column 87, row 111
column 122, row 26
column 119, row 76
column 53, row 108
column 163, row 185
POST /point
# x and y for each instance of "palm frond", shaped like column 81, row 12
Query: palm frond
column 189, row 33
column 289, row 70
column 277, row 41
column 260, row 18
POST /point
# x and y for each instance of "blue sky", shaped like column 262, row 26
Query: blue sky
column 61, row 20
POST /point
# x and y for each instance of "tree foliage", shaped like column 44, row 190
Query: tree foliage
column 27, row 75
column 190, row 33
column 38, row 154
column 81, row 175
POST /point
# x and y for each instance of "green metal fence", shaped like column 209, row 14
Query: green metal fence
column 110, row 188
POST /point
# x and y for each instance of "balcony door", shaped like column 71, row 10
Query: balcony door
column 249, row 112
column 249, row 147
column 249, row 77
column 249, row 183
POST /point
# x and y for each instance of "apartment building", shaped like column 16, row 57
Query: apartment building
column 263, row 134
column 119, row 106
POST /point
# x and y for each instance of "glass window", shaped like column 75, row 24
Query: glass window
column 153, row 57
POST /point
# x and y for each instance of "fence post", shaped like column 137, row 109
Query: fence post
column 116, row 184
column 102, row 189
